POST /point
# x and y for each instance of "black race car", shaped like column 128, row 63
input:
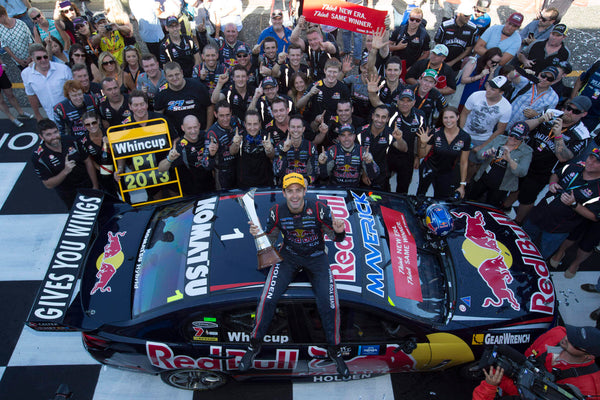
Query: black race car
column 171, row 289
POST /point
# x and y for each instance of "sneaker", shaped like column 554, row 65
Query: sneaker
column 588, row 287
column 595, row 315
column 17, row 122
column 569, row 274
column 248, row 358
column 340, row 364
column 26, row 115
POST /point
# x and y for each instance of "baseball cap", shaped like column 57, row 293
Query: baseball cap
column 586, row 338
column 581, row 102
column 465, row 9
column 596, row 153
column 172, row 20
column 515, row 19
column 77, row 22
column 440, row 50
column 519, row 130
column 430, row 73
column 292, row 178
column 551, row 69
column 242, row 48
column 408, row 94
column 346, row 128
column 269, row 81
column 498, row 82
column 483, row 5
column 98, row 17
column 277, row 13
column 560, row 28
column 565, row 65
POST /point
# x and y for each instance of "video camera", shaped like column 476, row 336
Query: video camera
column 532, row 380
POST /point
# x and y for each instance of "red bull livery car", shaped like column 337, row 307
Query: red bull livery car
column 171, row 289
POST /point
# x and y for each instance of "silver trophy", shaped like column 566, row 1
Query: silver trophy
column 267, row 255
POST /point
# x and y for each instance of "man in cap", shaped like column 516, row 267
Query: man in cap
column 543, row 54
column 110, row 37
column 481, row 18
column 552, row 139
column 446, row 80
column 277, row 31
column 264, row 97
column 588, row 85
column 458, row 35
column 246, row 59
column 505, row 159
column 568, row 352
column 179, row 48
column 303, row 224
column 504, row 36
column 529, row 99
column 484, row 117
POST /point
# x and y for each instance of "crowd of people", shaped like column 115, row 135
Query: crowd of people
column 481, row 111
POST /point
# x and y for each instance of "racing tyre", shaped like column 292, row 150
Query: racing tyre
column 194, row 379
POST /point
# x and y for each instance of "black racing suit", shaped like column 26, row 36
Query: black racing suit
column 344, row 167
column 225, row 162
column 302, row 160
column 303, row 247
column 68, row 116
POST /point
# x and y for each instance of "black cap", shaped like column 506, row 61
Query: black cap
column 346, row 128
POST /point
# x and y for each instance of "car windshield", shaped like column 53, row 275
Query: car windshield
column 160, row 267
column 430, row 301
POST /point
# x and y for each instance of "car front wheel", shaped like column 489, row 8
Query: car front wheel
column 194, row 379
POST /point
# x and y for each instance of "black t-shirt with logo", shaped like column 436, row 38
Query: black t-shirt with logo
column 192, row 99
column 328, row 98
column 443, row 156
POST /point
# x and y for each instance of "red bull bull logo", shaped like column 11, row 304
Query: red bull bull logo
column 491, row 258
column 108, row 262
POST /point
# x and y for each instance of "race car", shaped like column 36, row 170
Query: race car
column 171, row 289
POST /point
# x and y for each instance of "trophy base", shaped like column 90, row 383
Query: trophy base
column 268, row 257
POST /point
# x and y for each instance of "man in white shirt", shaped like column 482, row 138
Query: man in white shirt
column 44, row 81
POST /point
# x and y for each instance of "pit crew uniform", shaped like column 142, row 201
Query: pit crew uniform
column 177, row 104
column 114, row 117
column 228, row 53
column 344, row 167
column 239, row 104
column 182, row 52
column 546, row 347
column 379, row 146
column 303, row 247
column 264, row 107
column 433, row 101
column 402, row 162
column 211, row 78
column 225, row 162
column 255, row 168
column 302, row 160
column 68, row 117
column 195, row 171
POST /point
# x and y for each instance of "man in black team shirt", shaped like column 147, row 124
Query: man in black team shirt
column 182, row 96
column 62, row 163
column 114, row 106
column 306, row 251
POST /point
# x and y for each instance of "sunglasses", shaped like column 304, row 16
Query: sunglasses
column 547, row 77
column 494, row 62
column 543, row 19
column 78, row 55
column 108, row 62
column 129, row 47
column 36, row 17
column 91, row 123
column 415, row 19
column 242, row 55
column 574, row 111
column 479, row 11
column 38, row 58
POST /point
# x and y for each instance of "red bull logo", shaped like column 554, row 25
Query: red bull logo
column 108, row 262
column 491, row 258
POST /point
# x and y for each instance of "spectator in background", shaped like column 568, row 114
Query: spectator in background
column 15, row 38
column 410, row 42
column 477, row 71
column 68, row 112
column 353, row 41
column 225, row 12
column 44, row 27
column 149, row 27
column 179, row 48
column 278, row 31
column 504, row 36
column 6, row 89
column 481, row 18
column 56, row 50
column 539, row 29
column 446, row 81
column 132, row 67
column 545, row 53
column 77, row 55
column 44, row 81
column 110, row 68
column 116, row 14
column 62, row 163
column 588, row 85
column 111, row 36
column 458, row 35
column 64, row 14
column 151, row 79
column 83, row 37
column 19, row 9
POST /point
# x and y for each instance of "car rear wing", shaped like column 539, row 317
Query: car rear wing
column 61, row 282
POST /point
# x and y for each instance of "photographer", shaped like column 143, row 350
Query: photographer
column 569, row 352
column 111, row 37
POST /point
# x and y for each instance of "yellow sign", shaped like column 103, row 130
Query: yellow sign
column 140, row 148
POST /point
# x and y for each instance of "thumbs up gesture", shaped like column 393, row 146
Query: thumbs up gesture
column 367, row 156
column 323, row 157
column 237, row 138
column 69, row 165
column 213, row 147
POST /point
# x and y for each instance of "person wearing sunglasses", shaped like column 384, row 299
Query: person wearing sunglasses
column 44, row 27
column 410, row 41
column 544, row 53
column 504, row 36
column 44, row 81
column 568, row 352
column 15, row 38
column 553, row 139
column 64, row 14
column 481, row 18
column 540, row 28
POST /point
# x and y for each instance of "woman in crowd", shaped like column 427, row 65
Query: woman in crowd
column 476, row 73
column 77, row 55
column 44, row 27
column 505, row 160
column 64, row 14
column 298, row 90
column 109, row 68
column 442, row 150
column 132, row 66
column 83, row 37
column 56, row 50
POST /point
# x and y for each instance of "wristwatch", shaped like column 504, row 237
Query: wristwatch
column 573, row 205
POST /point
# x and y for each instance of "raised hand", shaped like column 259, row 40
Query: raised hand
column 282, row 57
column 267, row 145
column 337, row 224
column 174, row 154
column 323, row 157
column 367, row 156
column 379, row 38
column 237, row 138
column 373, row 83
column 424, row 135
column 213, row 147
column 287, row 144
column 69, row 165
column 223, row 78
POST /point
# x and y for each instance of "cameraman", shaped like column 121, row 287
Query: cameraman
column 569, row 352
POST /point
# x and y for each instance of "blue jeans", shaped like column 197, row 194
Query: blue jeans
column 348, row 37
column 546, row 242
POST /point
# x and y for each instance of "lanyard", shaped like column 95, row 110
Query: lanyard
column 424, row 98
column 533, row 100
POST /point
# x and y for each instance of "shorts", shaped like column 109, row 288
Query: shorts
column 4, row 81
column 530, row 187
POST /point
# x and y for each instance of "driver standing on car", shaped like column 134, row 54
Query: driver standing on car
column 302, row 223
column 569, row 352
